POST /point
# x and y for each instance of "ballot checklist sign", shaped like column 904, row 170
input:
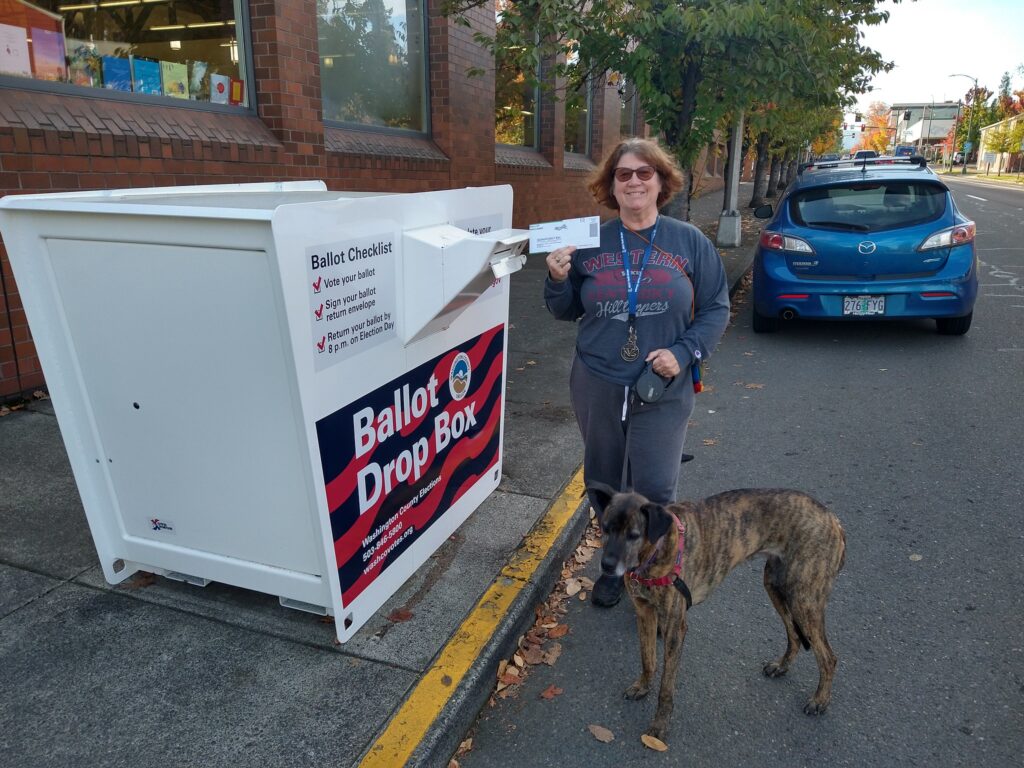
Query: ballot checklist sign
column 396, row 460
column 351, row 287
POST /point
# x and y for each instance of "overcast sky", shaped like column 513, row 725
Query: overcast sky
column 932, row 39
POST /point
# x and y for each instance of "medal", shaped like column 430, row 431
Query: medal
column 630, row 350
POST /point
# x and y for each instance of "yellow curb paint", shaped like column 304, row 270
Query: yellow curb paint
column 410, row 724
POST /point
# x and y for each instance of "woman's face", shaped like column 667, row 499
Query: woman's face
column 636, row 196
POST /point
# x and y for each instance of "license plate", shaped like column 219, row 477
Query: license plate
column 863, row 305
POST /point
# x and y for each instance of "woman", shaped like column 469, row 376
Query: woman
column 669, row 309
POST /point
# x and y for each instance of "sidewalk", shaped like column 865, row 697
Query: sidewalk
column 160, row 673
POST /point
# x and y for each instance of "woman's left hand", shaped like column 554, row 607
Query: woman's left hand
column 664, row 363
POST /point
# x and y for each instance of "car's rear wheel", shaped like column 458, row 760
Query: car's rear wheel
column 954, row 326
column 765, row 323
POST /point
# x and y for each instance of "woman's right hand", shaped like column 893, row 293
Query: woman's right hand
column 560, row 263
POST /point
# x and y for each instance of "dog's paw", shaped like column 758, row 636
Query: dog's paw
column 815, row 708
column 775, row 669
column 657, row 731
column 636, row 691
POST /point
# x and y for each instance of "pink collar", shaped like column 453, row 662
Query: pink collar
column 668, row 578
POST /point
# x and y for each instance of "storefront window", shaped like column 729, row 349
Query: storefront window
column 577, row 116
column 183, row 49
column 627, row 108
column 372, row 62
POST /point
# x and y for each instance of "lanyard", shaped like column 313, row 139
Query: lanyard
column 632, row 291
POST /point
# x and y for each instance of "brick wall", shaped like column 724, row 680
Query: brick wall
column 51, row 142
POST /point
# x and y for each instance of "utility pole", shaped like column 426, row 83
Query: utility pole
column 968, row 145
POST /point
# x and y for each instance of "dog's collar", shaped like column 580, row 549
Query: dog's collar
column 672, row 578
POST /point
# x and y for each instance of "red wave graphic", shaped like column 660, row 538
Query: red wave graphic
column 423, row 513
column 350, row 542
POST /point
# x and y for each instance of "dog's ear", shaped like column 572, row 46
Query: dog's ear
column 659, row 521
column 600, row 495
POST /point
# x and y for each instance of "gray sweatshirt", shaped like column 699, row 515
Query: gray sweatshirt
column 595, row 294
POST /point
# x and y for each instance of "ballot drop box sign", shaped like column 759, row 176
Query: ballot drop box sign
column 274, row 386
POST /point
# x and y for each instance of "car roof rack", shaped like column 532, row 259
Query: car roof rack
column 864, row 162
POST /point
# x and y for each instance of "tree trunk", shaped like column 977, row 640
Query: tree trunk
column 679, row 206
column 794, row 165
column 760, row 175
column 773, row 178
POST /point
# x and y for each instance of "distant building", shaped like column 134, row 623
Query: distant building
column 924, row 125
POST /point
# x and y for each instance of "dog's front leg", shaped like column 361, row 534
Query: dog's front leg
column 675, row 633
column 647, row 628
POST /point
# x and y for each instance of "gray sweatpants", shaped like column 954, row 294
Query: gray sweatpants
column 656, row 436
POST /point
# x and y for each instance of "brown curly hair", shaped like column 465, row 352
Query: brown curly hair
column 602, row 180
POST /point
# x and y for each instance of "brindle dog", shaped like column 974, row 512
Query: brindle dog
column 805, row 547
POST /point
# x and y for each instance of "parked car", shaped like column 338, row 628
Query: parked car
column 958, row 158
column 860, row 154
column 828, row 157
column 862, row 240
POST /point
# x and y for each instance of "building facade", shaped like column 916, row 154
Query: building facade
column 367, row 95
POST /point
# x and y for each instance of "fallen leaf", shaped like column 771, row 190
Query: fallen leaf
column 531, row 362
column 652, row 743
column 453, row 763
column 558, row 630
column 572, row 587
column 550, row 692
column 399, row 615
column 518, row 660
column 140, row 580
column 464, row 747
column 587, row 583
column 501, row 687
column 583, row 597
column 915, row 558
column 552, row 654
column 501, row 667
column 510, row 678
column 754, row 386
column 533, row 656
column 601, row 734
column 710, row 441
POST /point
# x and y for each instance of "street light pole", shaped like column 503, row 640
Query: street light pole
column 970, row 123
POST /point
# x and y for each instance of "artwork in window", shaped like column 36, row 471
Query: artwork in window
column 154, row 48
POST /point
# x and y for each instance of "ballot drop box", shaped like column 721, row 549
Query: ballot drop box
column 273, row 386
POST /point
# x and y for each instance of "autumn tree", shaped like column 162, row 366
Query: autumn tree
column 693, row 63
column 877, row 133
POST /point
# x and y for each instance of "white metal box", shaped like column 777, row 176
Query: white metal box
column 274, row 386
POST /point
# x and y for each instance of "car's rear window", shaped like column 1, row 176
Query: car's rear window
column 868, row 205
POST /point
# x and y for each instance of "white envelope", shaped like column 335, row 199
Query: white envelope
column 584, row 232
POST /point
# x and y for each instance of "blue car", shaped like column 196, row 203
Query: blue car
column 871, row 239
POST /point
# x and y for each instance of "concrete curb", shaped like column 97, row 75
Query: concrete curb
column 460, row 712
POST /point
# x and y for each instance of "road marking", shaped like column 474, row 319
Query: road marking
column 437, row 685
column 975, row 197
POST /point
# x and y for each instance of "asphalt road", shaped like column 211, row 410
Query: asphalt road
column 914, row 439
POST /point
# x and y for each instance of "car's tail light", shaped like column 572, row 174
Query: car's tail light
column 946, row 238
column 776, row 241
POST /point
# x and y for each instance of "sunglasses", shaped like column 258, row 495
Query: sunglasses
column 644, row 173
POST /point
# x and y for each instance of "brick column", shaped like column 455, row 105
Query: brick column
column 462, row 105
column 287, row 73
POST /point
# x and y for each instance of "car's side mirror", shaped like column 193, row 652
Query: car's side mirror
column 763, row 211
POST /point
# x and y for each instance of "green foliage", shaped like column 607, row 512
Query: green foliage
column 694, row 63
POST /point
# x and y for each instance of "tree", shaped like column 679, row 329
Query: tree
column 1006, row 104
column 1000, row 141
column 876, row 127
column 694, row 63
